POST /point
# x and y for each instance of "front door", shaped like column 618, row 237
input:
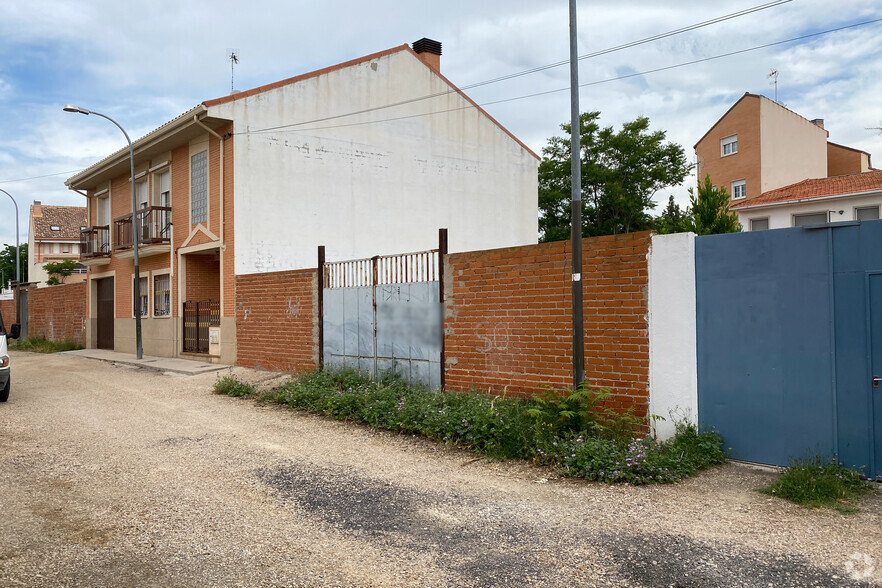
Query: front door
column 876, row 369
column 106, row 313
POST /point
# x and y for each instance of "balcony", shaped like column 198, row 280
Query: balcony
column 94, row 242
column 154, row 226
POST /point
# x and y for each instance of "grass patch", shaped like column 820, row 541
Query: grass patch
column 40, row 344
column 817, row 483
column 570, row 431
column 230, row 385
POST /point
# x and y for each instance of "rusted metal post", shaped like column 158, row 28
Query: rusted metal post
column 320, row 280
column 442, row 254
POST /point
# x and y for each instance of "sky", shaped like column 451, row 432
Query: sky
column 143, row 63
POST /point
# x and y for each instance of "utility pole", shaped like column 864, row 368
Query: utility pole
column 576, row 206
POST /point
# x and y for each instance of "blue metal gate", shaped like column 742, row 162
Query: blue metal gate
column 384, row 314
column 789, row 339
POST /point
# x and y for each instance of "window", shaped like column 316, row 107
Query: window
column 143, row 197
column 759, row 224
column 142, row 285
column 162, row 188
column 65, row 248
column 812, row 218
column 161, row 295
column 199, row 187
column 739, row 189
column 728, row 145
column 54, row 228
column 866, row 213
column 104, row 210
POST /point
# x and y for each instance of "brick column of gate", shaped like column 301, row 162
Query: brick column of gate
column 508, row 318
column 277, row 321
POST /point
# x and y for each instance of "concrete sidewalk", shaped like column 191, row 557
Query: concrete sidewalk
column 160, row 364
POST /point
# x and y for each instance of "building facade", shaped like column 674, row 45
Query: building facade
column 54, row 236
column 367, row 157
column 758, row 145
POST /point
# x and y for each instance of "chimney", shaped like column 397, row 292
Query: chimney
column 429, row 52
column 37, row 209
column 819, row 122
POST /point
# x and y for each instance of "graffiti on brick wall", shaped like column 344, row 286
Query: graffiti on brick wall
column 494, row 336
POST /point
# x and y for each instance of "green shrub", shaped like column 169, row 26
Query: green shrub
column 639, row 460
column 40, row 344
column 570, row 431
column 816, row 483
column 231, row 385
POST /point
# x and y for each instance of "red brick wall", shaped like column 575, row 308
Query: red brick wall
column 508, row 318
column 7, row 310
column 58, row 312
column 277, row 321
column 203, row 277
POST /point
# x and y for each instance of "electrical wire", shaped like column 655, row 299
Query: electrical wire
column 547, row 92
column 539, row 68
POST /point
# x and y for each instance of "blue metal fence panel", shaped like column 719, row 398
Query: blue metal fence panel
column 764, row 342
column 785, row 342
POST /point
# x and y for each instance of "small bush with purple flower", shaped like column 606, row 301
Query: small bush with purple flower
column 570, row 431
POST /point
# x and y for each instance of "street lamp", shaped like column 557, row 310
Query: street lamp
column 17, row 257
column 136, row 304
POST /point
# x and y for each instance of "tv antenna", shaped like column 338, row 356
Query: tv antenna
column 774, row 76
column 233, row 56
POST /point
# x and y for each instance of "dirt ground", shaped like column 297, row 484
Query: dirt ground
column 115, row 476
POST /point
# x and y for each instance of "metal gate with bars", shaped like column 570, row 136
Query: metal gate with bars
column 198, row 316
column 384, row 314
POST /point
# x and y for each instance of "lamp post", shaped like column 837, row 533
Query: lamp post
column 136, row 303
column 17, row 256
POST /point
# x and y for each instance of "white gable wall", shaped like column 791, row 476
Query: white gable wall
column 375, row 183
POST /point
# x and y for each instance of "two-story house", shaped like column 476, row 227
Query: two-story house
column 54, row 236
column 759, row 146
column 368, row 157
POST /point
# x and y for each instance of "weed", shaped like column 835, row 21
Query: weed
column 231, row 385
column 816, row 483
column 40, row 344
column 571, row 431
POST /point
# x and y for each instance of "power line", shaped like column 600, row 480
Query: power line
column 547, row 92
column 39, row 177
column 632, row 43
column 537, row 69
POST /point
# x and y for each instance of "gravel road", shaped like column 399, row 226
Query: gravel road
column 115, row 476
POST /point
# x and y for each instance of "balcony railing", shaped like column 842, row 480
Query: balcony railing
column 95, row 242
column 154, row 225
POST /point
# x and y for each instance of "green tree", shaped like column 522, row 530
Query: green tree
column 673, row 219
column 621, row 171
column 59, row 270
column 7, row 264
column 709, row 212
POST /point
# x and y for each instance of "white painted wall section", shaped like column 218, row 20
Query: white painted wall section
column 673, row 369
column 327, row 161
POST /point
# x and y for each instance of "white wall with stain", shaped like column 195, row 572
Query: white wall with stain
column 327, row 161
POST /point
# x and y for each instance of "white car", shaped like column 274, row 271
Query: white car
column 5, row 378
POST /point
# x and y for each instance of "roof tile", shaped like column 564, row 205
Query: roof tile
column 68, row 219
column 870, row 181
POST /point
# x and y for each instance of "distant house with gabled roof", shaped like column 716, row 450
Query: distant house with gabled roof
column 53, row 236
column 759, row 145
column 367, row 157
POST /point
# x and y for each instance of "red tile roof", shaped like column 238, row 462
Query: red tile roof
column 870, row 181
column 68, row 219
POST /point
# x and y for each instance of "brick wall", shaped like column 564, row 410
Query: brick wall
column 7, row 310
column 277, row 320
column 508, row 318
column 58, row 312
column 203, row 277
